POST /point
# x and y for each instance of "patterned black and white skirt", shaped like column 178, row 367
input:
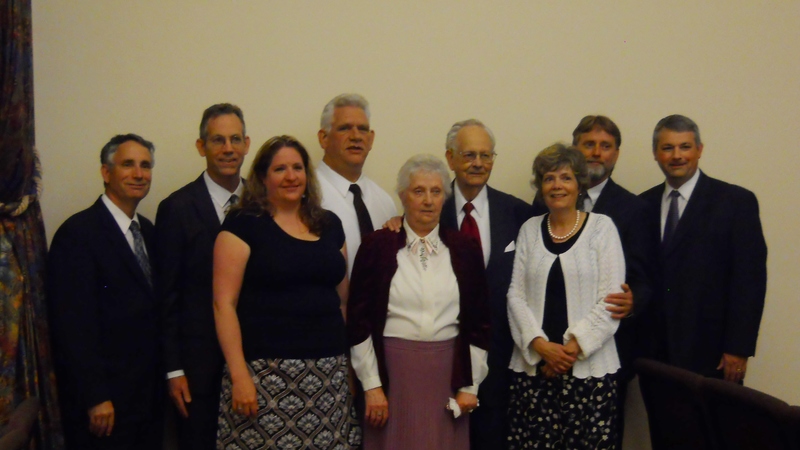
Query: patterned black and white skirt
column 563, row 412
column 302, row 404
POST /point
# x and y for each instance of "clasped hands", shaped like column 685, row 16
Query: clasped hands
column 558, row 358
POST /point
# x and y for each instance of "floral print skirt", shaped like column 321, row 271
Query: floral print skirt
column 563, row 412
column 302, row 404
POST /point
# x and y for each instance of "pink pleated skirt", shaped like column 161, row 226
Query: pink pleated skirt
column 419, row 388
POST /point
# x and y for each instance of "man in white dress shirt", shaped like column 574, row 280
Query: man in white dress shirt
column 360, row 203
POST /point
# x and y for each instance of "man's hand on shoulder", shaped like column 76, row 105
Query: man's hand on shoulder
column 394, row 224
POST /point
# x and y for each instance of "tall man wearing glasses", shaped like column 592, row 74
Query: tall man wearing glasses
column 493, row 218
column 360, row 203
column 186, row 228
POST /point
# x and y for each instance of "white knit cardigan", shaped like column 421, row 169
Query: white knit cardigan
column 593, row 268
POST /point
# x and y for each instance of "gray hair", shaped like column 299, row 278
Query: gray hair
column 423, row 163
column 678, row 123
column 108, row 151
column 450, row 142
column 340, row 101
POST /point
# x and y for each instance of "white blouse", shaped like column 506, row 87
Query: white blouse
column 423, row 306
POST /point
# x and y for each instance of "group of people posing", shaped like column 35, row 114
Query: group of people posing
column 295, row 309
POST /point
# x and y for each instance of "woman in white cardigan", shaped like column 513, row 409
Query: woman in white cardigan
column 563, row 391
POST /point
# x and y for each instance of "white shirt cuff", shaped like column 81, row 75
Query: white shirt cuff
column 175, row 374
column 365, row 364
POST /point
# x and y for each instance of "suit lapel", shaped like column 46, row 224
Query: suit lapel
column 449, row 216
column 605, row 198
column 118, row 244
column 203, row 204
column 497, row 227
column 698, row 203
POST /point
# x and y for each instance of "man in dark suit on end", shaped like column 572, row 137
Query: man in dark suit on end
column 599, row 139
column 713, row 260
column 103, row 311
column 495, row 218
column 186, row 228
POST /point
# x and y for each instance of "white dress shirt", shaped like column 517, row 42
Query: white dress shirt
column 123, row 221
column 336, row 197
column 220, row 196
column 685, row 192
column 423, row 306
column 592, row 195
column 481, row 216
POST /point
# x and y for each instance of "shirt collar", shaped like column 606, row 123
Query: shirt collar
column 480, row 202
column 594, row 192
column 122, row 219
column 685, row 190
column 412, row 239
column 219, row 194
column 340, row 183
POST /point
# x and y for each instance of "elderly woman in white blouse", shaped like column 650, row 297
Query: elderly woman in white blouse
column 418, row 321
column 563, row 392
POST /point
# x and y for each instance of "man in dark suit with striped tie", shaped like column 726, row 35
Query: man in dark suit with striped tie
column 186, row 228
column 493, row 218
column 713, row 260
column 103, row 311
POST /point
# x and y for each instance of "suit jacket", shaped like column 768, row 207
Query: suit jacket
column 640, row 246
column 506, row 215
column 374, row 268
column 104, row 318
column 186, row 228
column 629, row 214
column 713, row 276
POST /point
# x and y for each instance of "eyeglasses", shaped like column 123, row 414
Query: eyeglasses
column 218, row 141
column 486, row 158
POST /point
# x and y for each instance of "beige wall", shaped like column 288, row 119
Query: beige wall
column 530, row 70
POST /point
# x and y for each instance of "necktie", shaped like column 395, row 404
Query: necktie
column 469, row 226
column 364, row 221
column 139, row 252
column 231, row 201
column 584, row 202
column 672, row 217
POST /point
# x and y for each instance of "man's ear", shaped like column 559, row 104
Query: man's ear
column 322, row 136
column 201, row 147
column 448, row 154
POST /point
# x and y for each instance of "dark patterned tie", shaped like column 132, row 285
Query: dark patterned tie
column 139, row 251
column 672, row 217
column 364, row 221
column 469, row 226
column 231, row 202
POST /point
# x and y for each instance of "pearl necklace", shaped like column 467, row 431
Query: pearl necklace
column 561, row 238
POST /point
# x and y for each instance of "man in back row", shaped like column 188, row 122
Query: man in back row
column 599, row 139
column 493, row 218
column 360, row 203
column 186, row 229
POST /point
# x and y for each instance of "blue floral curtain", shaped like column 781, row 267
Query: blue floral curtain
column 25, row 362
